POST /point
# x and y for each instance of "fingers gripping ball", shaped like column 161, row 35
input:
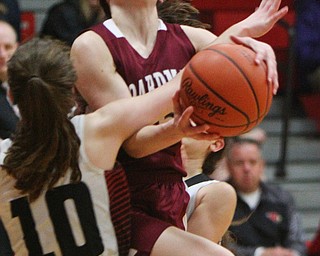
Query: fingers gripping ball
column 228, row 90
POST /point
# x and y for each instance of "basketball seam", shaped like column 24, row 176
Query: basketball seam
column 268, row 101
column 244, row 75
column 220, row 97
column 226, row 126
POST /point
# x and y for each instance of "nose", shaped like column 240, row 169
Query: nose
column 247, row 166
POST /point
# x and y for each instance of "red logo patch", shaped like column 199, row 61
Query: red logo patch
column 274, row 217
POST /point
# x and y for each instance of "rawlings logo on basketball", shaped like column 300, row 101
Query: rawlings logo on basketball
column 227, row 89
column 201, row 101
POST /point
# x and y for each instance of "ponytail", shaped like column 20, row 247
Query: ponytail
column 45, row 146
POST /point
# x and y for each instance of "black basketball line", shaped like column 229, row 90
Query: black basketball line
column 218, row 95
column 243, row 126
column 244, row 75
column 226, row 126
column 267, row 101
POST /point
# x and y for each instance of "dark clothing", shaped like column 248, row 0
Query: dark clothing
column 307, row 39
column 5, row 248
column 197, row 179
column 8, row 119
column 273, row 222
column 65, row 21
column 11, row 13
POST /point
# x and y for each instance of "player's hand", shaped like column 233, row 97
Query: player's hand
column 182, row 122
column 263, row 19
column 264, row 53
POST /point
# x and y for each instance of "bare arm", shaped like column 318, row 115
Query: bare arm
column 98, row 82
column 256, row 25
column 108, row 127
column 166, row 134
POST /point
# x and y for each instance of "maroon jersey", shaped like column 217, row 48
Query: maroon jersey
column 171, row 52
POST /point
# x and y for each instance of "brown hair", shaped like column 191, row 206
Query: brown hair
column 180, row 12
column 92, row 14
column 172, row 11
column 211, row 161
column 45, row 145
column 106, row 8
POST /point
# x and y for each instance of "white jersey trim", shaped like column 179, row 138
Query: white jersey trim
column 114, row 29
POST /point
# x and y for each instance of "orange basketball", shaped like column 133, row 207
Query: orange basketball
column 228, row 90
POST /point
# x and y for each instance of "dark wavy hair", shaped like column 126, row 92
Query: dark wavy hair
column 172, row 11
column 41, row 78
column 180, row 12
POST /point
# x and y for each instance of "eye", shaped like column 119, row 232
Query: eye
column 8, row 47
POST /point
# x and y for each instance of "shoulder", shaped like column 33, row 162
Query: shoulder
column 87, row 38
column 89, row 52
column 199, row 37
column 89, row 44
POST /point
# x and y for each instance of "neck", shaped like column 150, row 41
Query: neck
column 137, row 21
column 193, row 167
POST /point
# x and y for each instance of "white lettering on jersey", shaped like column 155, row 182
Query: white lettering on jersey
column 152, row 81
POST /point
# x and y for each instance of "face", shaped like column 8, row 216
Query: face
column 201, row 147
column 196, row 145
column 8, row 45
column 246, row 166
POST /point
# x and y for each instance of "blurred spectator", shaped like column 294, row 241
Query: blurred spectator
column 307, row 43
column 314, row 246
column 67, row 19
column 8, row 118
column 221, row 171
column 10, row 11
column 270, row 225
column 8, row 45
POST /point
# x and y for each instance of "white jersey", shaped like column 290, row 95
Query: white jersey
column 71, row 219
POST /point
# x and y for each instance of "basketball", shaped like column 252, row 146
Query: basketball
column 227, row 89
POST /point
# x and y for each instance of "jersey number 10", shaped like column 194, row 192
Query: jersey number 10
column 55, row 199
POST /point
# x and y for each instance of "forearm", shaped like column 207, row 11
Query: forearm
column 260, row 22
column 235, row 30
column 151, row 139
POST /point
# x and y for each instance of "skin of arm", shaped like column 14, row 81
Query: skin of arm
column 99, row 82
column 159, row 136
column 109, row 126
column 260, row 22
column 102, row 86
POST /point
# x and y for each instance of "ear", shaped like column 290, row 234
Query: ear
column 217, row 145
